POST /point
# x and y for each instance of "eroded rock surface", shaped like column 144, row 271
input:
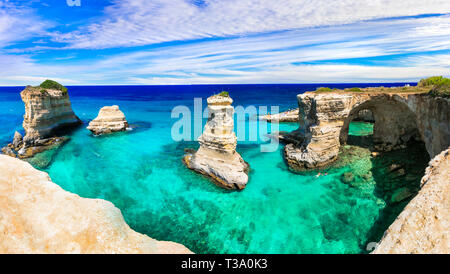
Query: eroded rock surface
column 324, row 119
column 110, row 119
column 38, row 216
column 424, row 224
column 48, row 112
column 217, row 157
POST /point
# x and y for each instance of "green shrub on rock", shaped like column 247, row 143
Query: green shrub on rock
column 224, row 94
column 50, row 84
column 323, row 89
column 432, row 81
column 354, row 90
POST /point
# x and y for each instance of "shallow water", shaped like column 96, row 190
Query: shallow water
column 142, row 174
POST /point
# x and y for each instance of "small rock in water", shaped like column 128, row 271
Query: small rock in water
column 394, row 167
column 375, row 154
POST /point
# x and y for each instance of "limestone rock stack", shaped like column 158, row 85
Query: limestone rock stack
column 424, row 224
column 217, row 157
column 110, row 119
column 38, row 216
column 48, row 112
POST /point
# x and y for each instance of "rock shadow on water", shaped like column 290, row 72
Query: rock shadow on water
column 397, row 175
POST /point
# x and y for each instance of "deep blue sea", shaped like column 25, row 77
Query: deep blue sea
column 141, row 172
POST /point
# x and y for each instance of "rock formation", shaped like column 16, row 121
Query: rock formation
column 47, row 113
column 110, row 119
column 217, row 157
column 285, row 116
column 424, row 224
column 38, row 216
column 324, row 120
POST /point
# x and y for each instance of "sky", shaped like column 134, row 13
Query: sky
column 170, row 42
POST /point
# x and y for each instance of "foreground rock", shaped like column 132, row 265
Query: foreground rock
column 38, row 216
column 110, row 119
column 324, row 119
column 217, row 157
column 48, row 113
column 424, row 224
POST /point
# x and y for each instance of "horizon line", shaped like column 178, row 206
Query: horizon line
column 229, row 84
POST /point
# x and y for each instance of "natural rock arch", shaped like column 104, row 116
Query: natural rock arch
column 324, row 120
column 394, row 122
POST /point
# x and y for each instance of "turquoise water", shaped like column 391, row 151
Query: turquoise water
column 141, row 172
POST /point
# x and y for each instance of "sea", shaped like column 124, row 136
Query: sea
column 140, row 171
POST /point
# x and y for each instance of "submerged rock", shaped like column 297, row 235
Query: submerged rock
column 401, row 194
column 347, row 177
column 110, row 119
column 217, row 157
column 38, row 216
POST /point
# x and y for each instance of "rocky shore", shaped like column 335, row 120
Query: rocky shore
column 424, row 224
column 38, row 216
column 110, row 119
column 217, row 157
column 48, row 113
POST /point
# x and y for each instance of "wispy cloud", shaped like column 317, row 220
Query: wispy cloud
column 19, row 23
column 143, row 22
column 297, row 41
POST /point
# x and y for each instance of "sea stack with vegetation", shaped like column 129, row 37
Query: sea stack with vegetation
column 217, row 157
column 110, row 119
column 48, row 114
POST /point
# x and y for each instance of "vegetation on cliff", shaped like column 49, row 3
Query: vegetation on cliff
column 437, row 86
column 433, row 81
column 224, row 94
column 50, row 84
column 440, row 86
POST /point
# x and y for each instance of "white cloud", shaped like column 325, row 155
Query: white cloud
column 18, row 23
column 143, row 22
column 319, row 54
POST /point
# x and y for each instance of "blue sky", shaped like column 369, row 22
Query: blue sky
column 222, row 41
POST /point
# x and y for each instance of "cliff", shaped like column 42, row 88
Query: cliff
column 217, row 157
column 424, row 226
column 110, row 119
column 37, row 216
column 48, row 113
column 399, row 117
